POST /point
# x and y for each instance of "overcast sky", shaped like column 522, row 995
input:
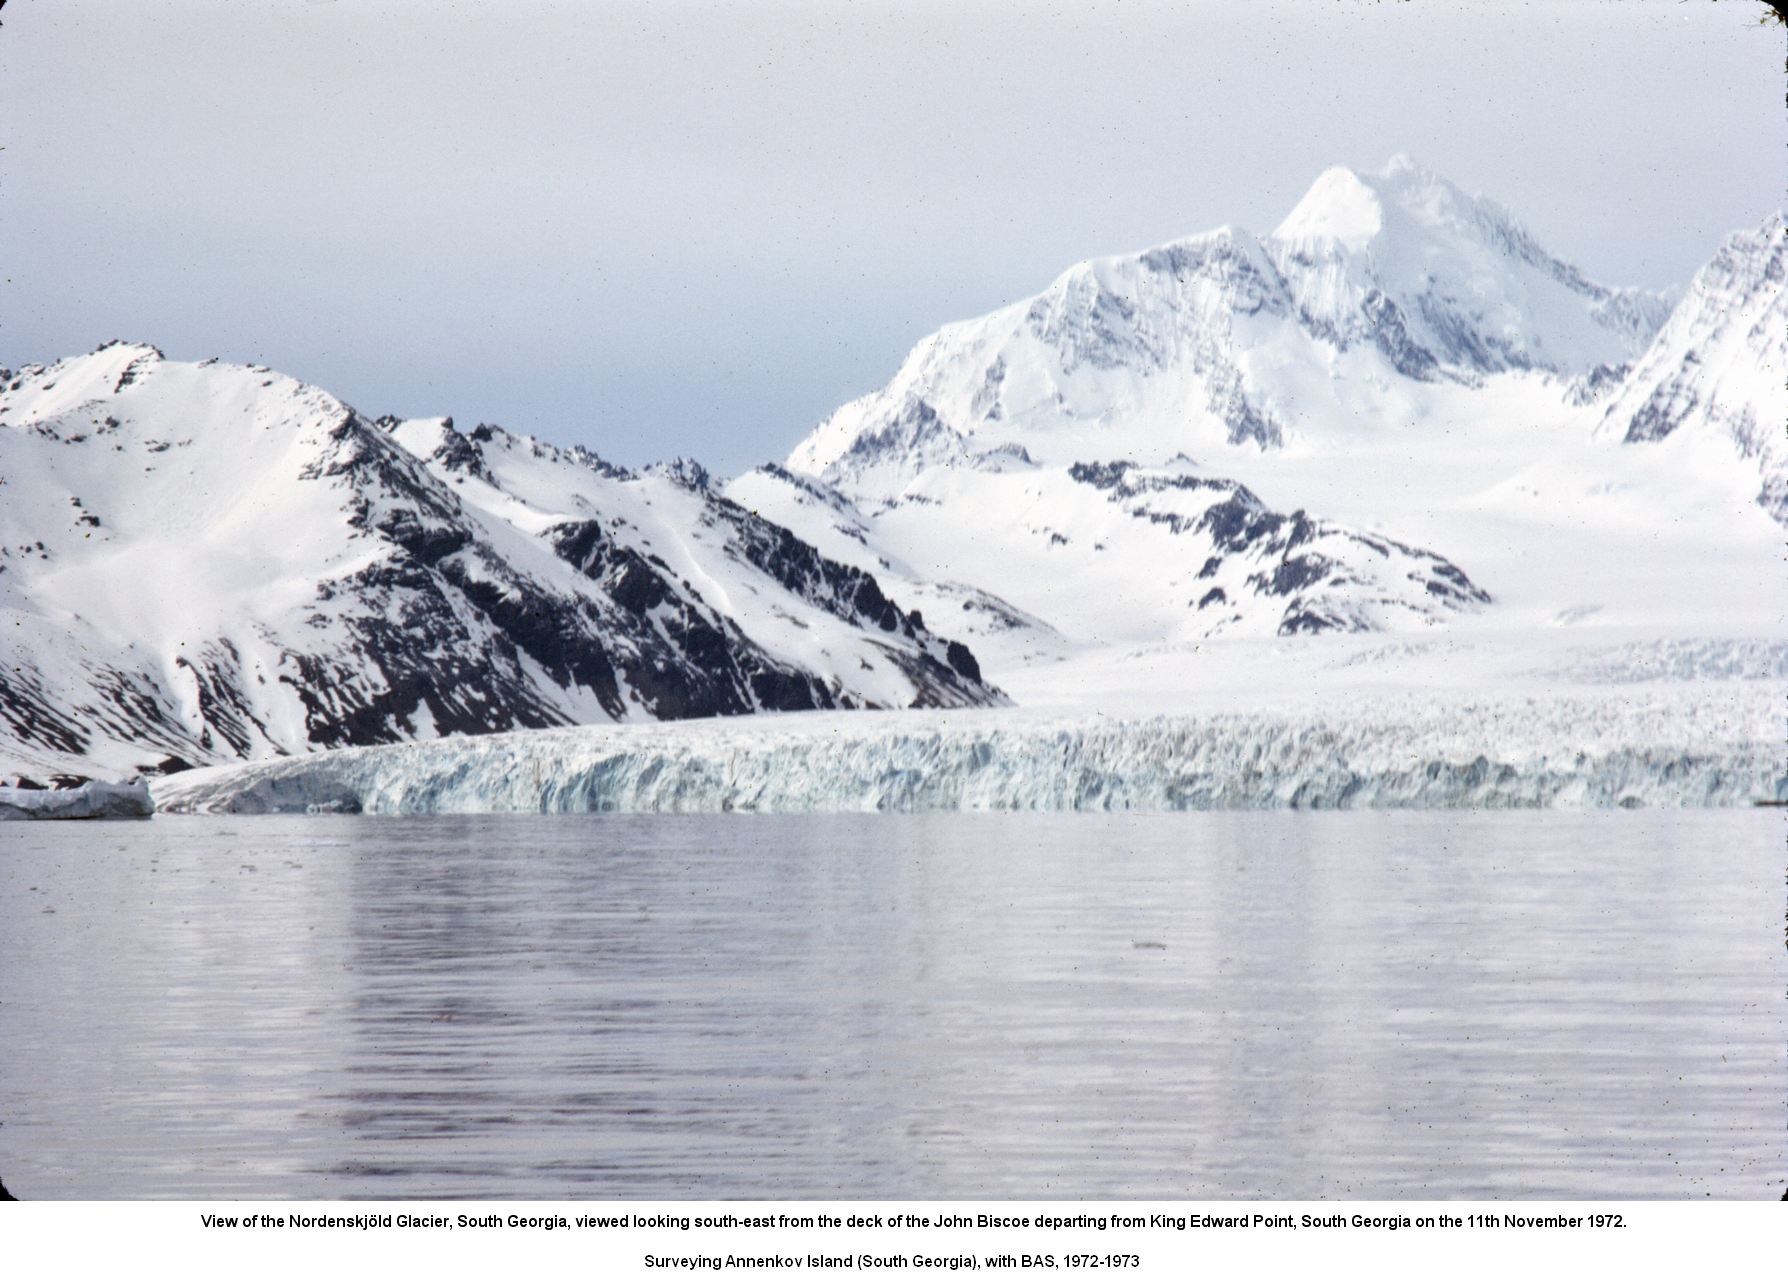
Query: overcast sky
column 694, row 228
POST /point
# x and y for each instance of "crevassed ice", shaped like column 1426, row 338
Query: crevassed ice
column 1694, row 746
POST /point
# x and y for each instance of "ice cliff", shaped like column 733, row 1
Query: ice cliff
column 1677, row 746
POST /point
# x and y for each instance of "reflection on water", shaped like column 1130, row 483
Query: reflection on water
column 1354, row 1004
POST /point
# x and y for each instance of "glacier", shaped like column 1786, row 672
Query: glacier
column 1714, row 744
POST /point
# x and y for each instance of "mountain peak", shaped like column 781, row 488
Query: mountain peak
column 1356, row 207
column 1406, row 175
column 1340, row 204
column 1404, row 162
column 137, row 347
column 1715, row 370
column 1227, row 337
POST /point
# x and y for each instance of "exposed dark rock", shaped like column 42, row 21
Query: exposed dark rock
column 1276, row 545
column 1391, row 334
column 1293, row 574
column 963, row 662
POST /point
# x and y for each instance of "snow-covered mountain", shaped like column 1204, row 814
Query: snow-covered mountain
column 1717, row 374
column 1396, row 419
column 1114, row 552
column 1374, row 285
column 1376, row 417
column 202, row 562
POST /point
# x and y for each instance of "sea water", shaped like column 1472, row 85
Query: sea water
column 1394, row 1005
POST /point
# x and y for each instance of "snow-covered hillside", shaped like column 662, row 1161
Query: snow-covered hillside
column 1102, row 552
column 202, row 562
column 1717, row 374
column 1407, row 393
column 1374, row 285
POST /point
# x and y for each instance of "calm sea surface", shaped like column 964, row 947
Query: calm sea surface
column 1280, row 1005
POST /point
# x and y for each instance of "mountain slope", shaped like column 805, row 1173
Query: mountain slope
column 202, row 562
column 1398, row 357
column 1718, row 371
column 1373, row 287
column 1036, row 561
column 1442, row 279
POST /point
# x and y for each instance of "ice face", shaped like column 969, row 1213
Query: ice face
column 1707, row 744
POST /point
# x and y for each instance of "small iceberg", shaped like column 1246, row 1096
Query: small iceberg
column 80, row 803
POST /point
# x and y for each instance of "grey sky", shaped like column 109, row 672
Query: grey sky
column 696, row 227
